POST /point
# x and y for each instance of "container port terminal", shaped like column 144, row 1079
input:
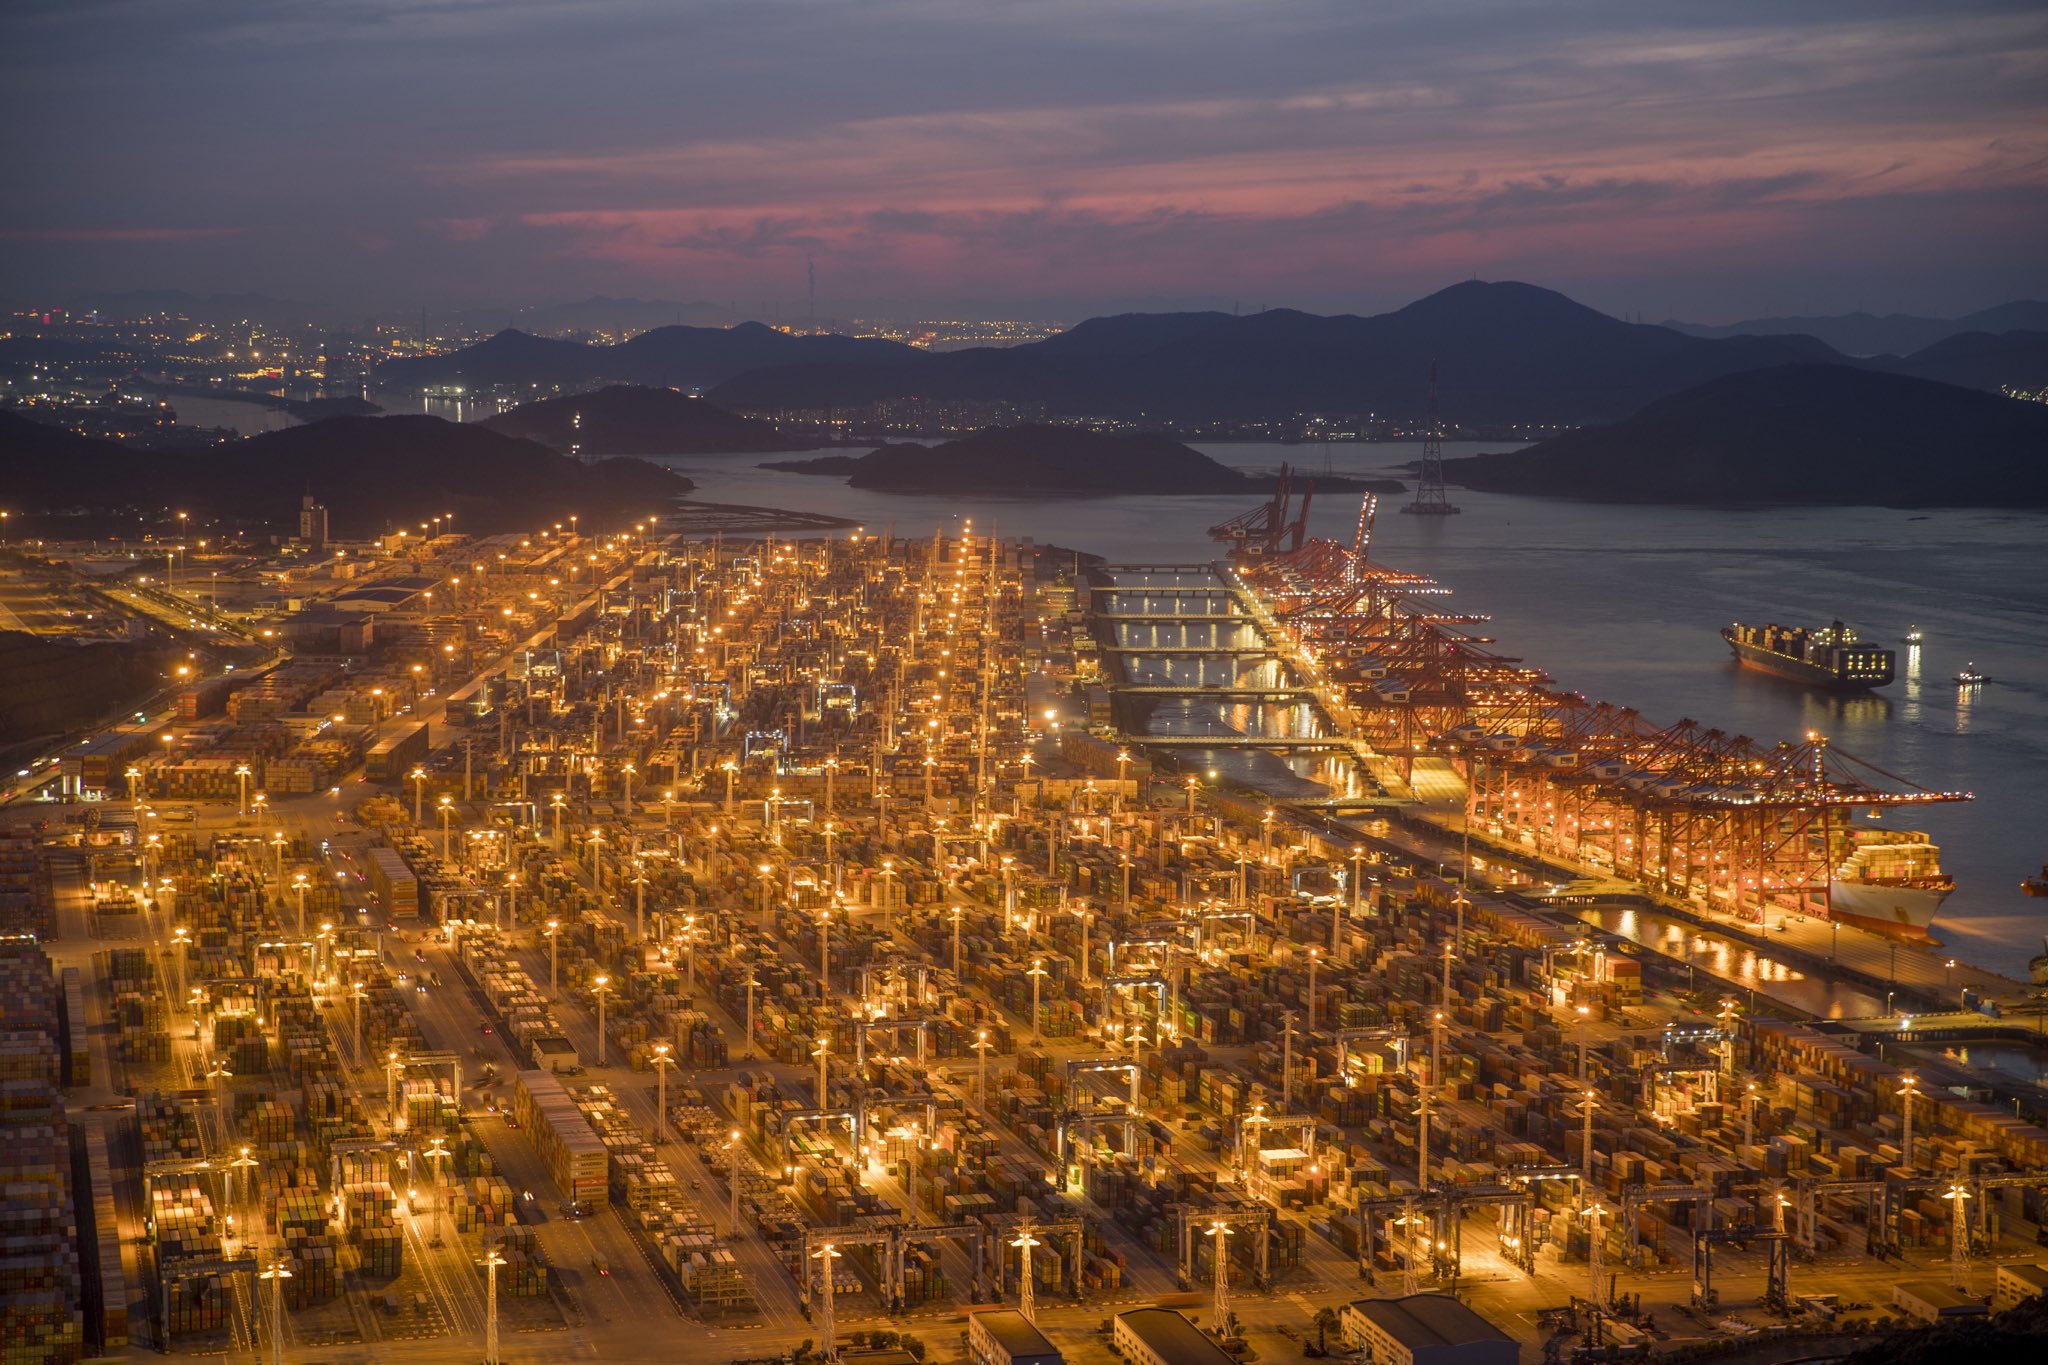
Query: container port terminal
column 622, row 944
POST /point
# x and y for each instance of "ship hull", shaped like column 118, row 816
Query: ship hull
column 1794, row 670
column 1899, row 910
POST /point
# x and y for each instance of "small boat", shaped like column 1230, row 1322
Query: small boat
column 1912, row 636
column 2037, row 886
column 1969, row 677
column 2037, row 967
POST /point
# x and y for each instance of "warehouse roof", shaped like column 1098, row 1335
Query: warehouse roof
column 1176, row 1340
column 1424, row 1320
column 1015, row 1333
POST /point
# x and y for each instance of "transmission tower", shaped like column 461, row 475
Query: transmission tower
column 1430, row 500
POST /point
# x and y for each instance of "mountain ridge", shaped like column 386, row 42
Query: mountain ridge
column 1815, row 435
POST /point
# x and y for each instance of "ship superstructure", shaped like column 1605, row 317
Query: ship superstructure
column 1830, row 657
column 1889, row 880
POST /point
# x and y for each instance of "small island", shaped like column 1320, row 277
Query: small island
column 1052, row 460
column 627, row 419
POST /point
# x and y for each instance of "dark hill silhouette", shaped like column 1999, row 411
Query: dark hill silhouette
column 371, row 472
column 1980, row 360
column 675, row 357
column 631, row 420
column 1509, row 352
column 1807, row 434
column 1864, row 334
column 1042, row 459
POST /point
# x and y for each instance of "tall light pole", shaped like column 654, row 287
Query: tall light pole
column 1436, row 1049
column 356, row 991
column 753, row 984
column 981, row 1046
column 1024, row 1241
column 1586, row 1144
column 639, row 901
column 447, row 808
column 435, row 1155
column 299, row 885
column 1221, row 1231
column 825, row 1255
column 554, row 933
column 246, row 1163
column 825, row 951
column 1286, row 1059
column 242, row 774
column 1595, row 1253
column 831, row 807
column 689, row 935
column 823, row 1052
column 661, row 1063
column 277, row 1273
column 1081, row 912
column 1907, row 1094
column 602, row 986
column 1958, row 1237
column 1314, row 956
column 736, row 1148
column 1037, row 975
column 490, row 1261
column 955, row 912
column 181, row 938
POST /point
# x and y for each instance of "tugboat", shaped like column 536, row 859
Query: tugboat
column 1969, row 677
column 1911, row 637
column 2037, row 886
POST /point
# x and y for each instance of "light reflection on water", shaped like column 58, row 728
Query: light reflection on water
column 2007, row 1060
column 1733, row 960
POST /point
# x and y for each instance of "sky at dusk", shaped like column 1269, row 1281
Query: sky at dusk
column 1047, row 158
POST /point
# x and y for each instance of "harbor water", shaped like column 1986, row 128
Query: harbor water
column 1624, row 604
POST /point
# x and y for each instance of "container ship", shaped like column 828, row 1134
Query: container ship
column 1832, row 657
column 1889, row 881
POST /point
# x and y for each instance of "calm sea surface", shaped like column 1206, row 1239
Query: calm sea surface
column 1623, row 604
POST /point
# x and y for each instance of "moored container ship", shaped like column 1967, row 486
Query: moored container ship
column 1831, row 657
column 1889, row 881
